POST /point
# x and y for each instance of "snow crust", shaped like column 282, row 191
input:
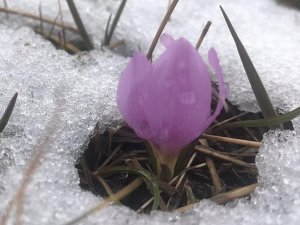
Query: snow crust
column 82, row 89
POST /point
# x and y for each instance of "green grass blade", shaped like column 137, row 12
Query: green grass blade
column 115, row 22
column 107, row 29
column 258, row 88
column 141, row 172
column 264, row 122
column 7, row 113
column 87, row 42
column 191, row 199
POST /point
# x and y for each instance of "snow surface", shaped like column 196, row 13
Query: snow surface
column 82, row 88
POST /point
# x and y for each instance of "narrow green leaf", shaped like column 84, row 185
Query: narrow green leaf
column 7, row 113
column 115, row 22
column 107, row 29
column 258, row 88
column 264, row 122
column 87, row 42
column 190, row 197
column 152, row 183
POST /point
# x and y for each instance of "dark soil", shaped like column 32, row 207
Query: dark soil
column 123, row 146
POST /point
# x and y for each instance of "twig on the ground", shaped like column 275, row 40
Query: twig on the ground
column 225, row 197
column 161, row 28
column 254, row 144
column 214, row 174
column 203, row 34
column 213, row 153
column 107, row 189
column 34, row 17
column 191, row 160
column 234, row 194
column 216, row 181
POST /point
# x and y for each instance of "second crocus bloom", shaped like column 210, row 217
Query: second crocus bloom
column 168, row 102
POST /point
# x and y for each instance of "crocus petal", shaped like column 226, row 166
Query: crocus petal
column 168, row 103
column 214, row 62
column 130, row 94
column 166, row 39
column 180, row 100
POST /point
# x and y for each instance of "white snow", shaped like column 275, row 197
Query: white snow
column 83, row 88
column 43, row 76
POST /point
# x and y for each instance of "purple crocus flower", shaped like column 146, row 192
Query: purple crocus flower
column 168, row 102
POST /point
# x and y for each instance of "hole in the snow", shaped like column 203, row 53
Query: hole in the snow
column 234, row 165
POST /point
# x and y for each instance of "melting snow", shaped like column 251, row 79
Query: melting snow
column 82, row 89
